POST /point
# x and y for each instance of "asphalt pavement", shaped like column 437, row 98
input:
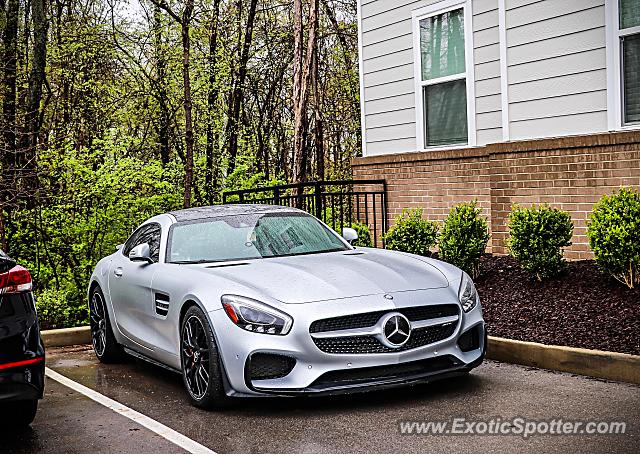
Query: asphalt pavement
column 70, row 422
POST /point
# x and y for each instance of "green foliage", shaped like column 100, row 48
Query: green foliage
column 614, row 235
column 364, row 235
column 412, row 234
column 537, row 238
column 111, row 148
column 54, row 310
column 464, row 238
column 98, row 198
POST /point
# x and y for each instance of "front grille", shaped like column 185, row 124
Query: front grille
column 265, row 366
column 390, row 372
column 369, row 344
column 371, row 318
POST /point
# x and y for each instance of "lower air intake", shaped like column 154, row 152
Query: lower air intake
column 267, row 366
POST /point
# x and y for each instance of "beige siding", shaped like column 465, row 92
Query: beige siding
column 555, row 66
column 387, row 59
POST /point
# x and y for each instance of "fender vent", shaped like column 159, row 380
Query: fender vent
column 162, row 304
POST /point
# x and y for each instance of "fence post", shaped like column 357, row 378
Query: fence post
column 276, row 196
column 318, row 199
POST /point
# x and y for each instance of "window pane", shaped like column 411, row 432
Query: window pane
column 445, row 113
column 442, row 45
column 629, row 13
column 631, row 62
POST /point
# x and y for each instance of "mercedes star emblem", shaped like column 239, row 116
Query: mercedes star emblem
column 396, row 330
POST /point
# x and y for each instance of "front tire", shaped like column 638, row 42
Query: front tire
column 104, row 343
column 201, row 365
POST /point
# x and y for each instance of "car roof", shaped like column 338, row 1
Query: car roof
column 234, row 209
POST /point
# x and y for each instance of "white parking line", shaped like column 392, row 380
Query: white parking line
column 165, row 432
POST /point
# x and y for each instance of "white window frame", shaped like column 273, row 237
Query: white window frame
column 417, row 15
column 615, row 85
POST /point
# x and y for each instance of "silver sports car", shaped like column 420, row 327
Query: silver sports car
column 254, row 300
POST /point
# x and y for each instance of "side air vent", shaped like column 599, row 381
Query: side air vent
column 162, row 304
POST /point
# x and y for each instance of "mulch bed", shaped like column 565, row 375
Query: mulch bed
column 581, row 308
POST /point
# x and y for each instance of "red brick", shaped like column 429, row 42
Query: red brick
column 571, row 173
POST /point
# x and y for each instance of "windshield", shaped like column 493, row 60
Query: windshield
column 252, row 236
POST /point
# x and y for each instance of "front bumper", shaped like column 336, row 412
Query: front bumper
column 312, row 368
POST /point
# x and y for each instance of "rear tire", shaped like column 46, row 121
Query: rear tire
column 18, row 414
column 202, row 372
column 105, row 347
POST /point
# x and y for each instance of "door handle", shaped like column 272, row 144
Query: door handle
column 118, row 272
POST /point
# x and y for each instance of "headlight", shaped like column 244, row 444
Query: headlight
column 255, row 316
column 467, row 294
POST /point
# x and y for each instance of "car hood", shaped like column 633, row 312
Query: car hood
column 330, row 276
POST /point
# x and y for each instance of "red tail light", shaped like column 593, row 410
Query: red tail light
column 16, row 280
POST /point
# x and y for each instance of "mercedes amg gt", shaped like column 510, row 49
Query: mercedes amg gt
column 258, row 300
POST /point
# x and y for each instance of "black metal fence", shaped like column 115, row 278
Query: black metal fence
column 338, row 203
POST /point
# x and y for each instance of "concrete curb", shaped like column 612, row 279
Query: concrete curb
column 593, row 363
column 66, row 336
column 581, row 361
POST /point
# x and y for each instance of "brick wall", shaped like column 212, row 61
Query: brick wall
column 570, row 173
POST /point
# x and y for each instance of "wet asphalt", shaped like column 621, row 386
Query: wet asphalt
column 68, row 422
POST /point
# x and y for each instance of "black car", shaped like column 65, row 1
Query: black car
column 21, row 347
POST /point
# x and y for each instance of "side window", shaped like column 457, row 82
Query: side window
column 149, row 234
column 133, row 241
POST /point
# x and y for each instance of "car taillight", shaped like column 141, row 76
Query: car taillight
column 16, row 280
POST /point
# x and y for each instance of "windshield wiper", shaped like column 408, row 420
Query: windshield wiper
column 193, row 262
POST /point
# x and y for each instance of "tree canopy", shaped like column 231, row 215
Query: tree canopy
column 113, row 111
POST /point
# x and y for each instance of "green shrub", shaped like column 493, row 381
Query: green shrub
column 55, row 310
column 464, row 238
column 614, row 235
column 412, row 234
column 364, row 235
column 537, row 238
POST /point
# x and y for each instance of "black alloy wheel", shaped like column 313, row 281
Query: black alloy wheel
column 201, row 366
column 104, row 342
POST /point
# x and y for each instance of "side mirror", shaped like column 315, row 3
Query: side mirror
column 118, row 247
column 349, row 234
column 140, row 253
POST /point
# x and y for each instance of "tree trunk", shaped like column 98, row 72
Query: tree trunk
column 211, row 172
column 9, row 61
column 36, row 80
column 188, row 122
column 237, row 93
column 8, row 155
column 318, row 128
column 163, row 101
column 301, row 82
column 185, row 22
